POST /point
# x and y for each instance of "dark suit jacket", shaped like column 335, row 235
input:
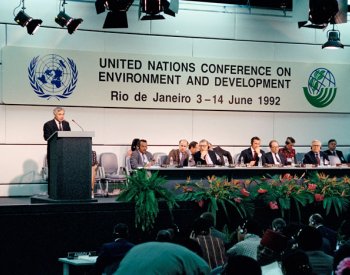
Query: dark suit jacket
column 268, row 158
column 248, row 156
column 309, row 158
column 111, row 255
column 175, row 154
column 223, row 153
column 339, row 154
column 212, row 155
column 50, row 127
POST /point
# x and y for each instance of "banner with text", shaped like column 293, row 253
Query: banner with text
column 75, row 78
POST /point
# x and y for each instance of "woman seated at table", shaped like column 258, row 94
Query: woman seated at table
column 288, row 151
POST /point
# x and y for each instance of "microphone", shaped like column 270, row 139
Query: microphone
column 78, row 125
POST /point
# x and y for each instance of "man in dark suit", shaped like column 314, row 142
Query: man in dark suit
column 274, row 157
column 204, row 156
column 253, row 154
column 56, row 124
column 178, row 156
column 222, row 153
column 315, row 156
column 112, row 253
column 333, row 153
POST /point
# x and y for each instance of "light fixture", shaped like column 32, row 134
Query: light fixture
column 333, row 40
column 25, row 20
column 64, row 20
column 154, row 8
column 116, row 17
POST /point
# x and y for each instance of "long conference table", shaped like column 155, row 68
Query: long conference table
column 197, row 173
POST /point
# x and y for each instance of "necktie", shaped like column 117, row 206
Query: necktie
column 255, row 157
column 278, row 158
column 334, row 154
column 317, row 158
column 60, row 126
column 182, row 159
column 144, row 159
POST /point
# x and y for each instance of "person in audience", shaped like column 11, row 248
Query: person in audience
column 133, row 146
column 342, row 253
column 335, row 156
column 315, row 156
column 344, row 267
column 252, row 154
column 222, row 154
column 56, row 124
column 279, row 225
column 164, row 235
column 162, row 258
column 249, row 237
column 274, row 157
column 213, row 248
column 344, row 232
column 271, row 246
column 241, row 265
column 204, row 156
column 178, row 156
column 310, row 240
column 213, row 231
column 296, row 262
column 112, row 253
column 141, row 157
column 288, row 151
column 328, row 234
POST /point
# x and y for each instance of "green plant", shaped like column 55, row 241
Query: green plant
column 218, row 192
column 145, row 190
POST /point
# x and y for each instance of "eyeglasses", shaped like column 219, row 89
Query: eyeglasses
column 203, row 145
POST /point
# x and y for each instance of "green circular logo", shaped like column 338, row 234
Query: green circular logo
column 321, row 89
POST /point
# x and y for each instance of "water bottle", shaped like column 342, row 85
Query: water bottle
column 321, row 161
column 241, row 162
column 293, row 162
column 171, row 162
column 260, row 162
column 226, row 162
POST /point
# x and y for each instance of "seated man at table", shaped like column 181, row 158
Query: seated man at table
column 141, row 157
column 193, row 148
column 178, row 156
column 335, row 156
column 204, row 156
column 252, row 154
column 222, row 154
column 315, row 156
column 274, row 157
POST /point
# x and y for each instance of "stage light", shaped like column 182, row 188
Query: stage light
column 64, row 20
column 333, row 40
column 153, row 8
column 25, row 20
column 116, row 17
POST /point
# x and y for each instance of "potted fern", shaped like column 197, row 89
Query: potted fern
column 145, row 189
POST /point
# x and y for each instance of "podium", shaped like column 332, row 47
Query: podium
column 70, row 160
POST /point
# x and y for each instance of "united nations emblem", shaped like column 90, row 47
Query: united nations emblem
column 53, row 76
column 321, row 89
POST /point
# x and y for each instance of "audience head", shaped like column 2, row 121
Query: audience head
column 241, row 265
column 271, row 246
column 344, row 267
column 290, row 143
column 332, row 144
column 134, row 144
column 278, row 225
column 274, row 147
column 58, row 113
column 309, row 239
column 209, row 217
column 121, row 230
column 193, row 147
column 295, row 262
column 251, row 227
column 183, row 143
column 142, row 145
column 201, row 227
column 344, row 231
column 316, row 146
column 164, row 236
column 255, row 142
column 340, row 254
column 316, row 220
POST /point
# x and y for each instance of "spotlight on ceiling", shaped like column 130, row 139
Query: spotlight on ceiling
column 116, row 17
column 64, row 20
column 333, row 40
column 154, row 8
column 25, row 20
column 321, row 13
